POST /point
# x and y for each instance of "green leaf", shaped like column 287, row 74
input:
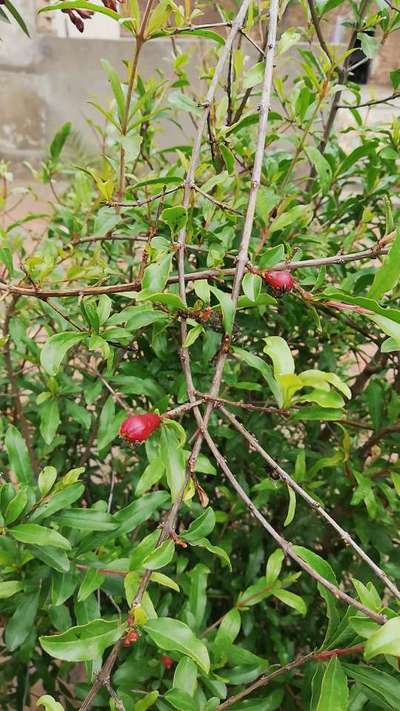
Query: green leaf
column 20, row 624
column 91, row 582
column 274, row 566
column 8, row 588
column 151, row 475
column 160, row 557
column 291, row 508
column 227, row 632
column 183, row 102
column 87, row 520
column 17, row 17
column 253, row 76
column 215, row 550
column 56, row 348
column 83, row 643
column 201, row 526
column 49, row 703
column 388, row 275
column 174, row 636
column 185, row 676
column 386, row 640
column 18, row 455
column 181, row 700
column 16, row 506
column 49, row 420
column 155, row 275
column 299, row 213
column 379, row 681
column 173, row 457
column 251, row 285
column 259, row 364
column 58, row 500
column 139, row 511
column 193, row 335
column 369, row 45
column 280, row 354
column 47, row 479
column 34, row 534
column 116, row 87
column 164, row 580
column 322, row 167
column 334, row 690
column 227, row 308
column 292, row 600
column 287, row 40
column 59, row 140
column 147, row 701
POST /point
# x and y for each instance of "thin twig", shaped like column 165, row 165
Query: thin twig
column 395, row 95
column 282, row 542
column 265, row 679
column 318, row 31
column 193, row 276
column 292, row 483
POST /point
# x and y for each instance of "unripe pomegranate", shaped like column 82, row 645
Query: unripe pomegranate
column 279, row 280
column 137, row 428
column 167, row 662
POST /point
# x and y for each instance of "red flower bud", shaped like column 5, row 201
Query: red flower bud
column 130, row 638
column 279, row 280
column 167, row 662
column 137, row 428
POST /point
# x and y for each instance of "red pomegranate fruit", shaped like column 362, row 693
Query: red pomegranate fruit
column 279, row 280
column 137, row 428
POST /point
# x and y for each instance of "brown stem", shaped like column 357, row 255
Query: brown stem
column 193, row 276
column 318, row 31
column 395, row 95
column 265, row 679
column 282, row 542
column 103, row 677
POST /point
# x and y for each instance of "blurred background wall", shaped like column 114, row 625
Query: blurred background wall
column 48, row 79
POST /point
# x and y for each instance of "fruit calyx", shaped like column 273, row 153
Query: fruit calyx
column 138, row 428
column 279, row 280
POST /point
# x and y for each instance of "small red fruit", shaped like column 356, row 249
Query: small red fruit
column 137, row 428
column 167, row 662
column 279, row 280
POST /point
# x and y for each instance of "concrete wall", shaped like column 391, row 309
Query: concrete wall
column 48, row 80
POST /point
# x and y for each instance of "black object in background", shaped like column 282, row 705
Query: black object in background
column 360, row 74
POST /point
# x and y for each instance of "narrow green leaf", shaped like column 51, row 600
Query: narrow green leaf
column 174, row 636
column 36, row 535
column 56, row 348
column 334, row 690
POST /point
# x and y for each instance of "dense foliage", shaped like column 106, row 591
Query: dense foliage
column 171, row 281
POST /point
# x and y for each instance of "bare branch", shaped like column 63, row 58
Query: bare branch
column 292, row 483
column 282, row 542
